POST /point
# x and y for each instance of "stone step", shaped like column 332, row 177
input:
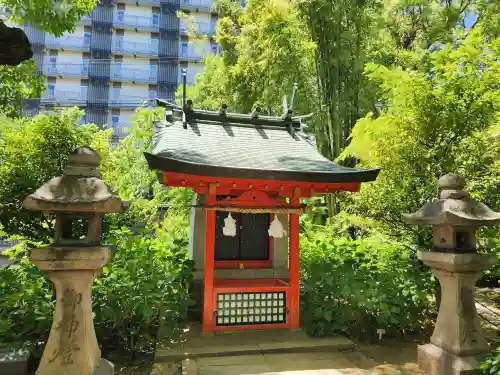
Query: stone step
column 251, row 343
column 13, row 361
column 315, row 363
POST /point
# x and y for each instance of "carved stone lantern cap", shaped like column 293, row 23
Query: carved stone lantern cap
column 79, row 189
column 453, row 207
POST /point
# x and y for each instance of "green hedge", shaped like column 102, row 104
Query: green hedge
column 360, row 286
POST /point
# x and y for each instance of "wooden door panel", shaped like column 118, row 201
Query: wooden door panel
column 226, row 247
column 254, row 239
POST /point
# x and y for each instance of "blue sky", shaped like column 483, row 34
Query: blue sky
column 469, row 19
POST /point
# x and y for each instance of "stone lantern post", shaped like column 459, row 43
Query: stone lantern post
column 458, row 344
column 79, row 199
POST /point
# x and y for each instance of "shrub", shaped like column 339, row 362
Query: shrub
column 26, row 305
column 359, row 286
column 144, row 285
column 492, row 365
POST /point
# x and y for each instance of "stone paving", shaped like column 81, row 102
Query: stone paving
column 389, row 361
column 294, row 364
column 199, row 345
column 391, row 358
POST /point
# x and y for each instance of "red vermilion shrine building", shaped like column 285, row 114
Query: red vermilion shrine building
column 249, row 173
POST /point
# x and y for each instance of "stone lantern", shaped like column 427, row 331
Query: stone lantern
column 79, row 199
column 458, row 344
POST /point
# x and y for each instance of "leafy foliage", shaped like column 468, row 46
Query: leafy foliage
column 386, row 289
column 265, row 50
column 143, row 288
column 26, row 304
column 32, row 151
column 437, row 123
column 145, row 285
column 18, row 83
column 56, row 17
column 492, row 365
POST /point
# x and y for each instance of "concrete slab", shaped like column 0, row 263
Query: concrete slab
column 230, row 360
column 198, row 345
column 255, row 369
column 308, row 344
column 189, row 367
column 315, row 363
column 307, row 362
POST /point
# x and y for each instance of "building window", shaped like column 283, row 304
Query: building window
column 121, row 15
column 83, row 91
column 250, row 245
column 115, row 120
column 120, row 34
column 53, row 63
column 156, row 19
column 116, row 94
column 85, row 66
column 87, row 36
column 51, row 90
column 154, row 46
column 117, row 71
column 153, row 72
column 184, row 49
column 152, row 94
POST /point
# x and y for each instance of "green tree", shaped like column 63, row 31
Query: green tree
column 342, row 31
column 18, row 83
column 55, row 17
column 435, row 123
column 32, row 151
column 146, row 283
column 265, row 50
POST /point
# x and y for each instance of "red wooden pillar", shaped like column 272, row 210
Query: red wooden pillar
column 293, row 264
column 208, row 279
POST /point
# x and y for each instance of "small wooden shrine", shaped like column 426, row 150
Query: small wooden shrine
column 249, row 173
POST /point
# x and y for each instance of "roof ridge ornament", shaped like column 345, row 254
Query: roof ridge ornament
column 223, row 110
column 256, row 112
column 288, row 111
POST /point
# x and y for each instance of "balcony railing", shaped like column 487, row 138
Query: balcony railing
column 125, row 72
column 190, row 78
column 64, row 97
column 154, row 2
column 124, row 101
column 193, row 52
column 199, row 4
column 135, row 48
column 202, row 27
column 52, row 68
column 140, row 22
column 116, row 100
column 7, row 244
column 71, row 42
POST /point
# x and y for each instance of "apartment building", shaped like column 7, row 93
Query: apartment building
column 124, row 54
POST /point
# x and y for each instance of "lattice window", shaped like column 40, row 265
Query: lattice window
column 234, row 309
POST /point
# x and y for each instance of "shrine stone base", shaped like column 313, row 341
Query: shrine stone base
column 105, row 368
column 436, row 361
